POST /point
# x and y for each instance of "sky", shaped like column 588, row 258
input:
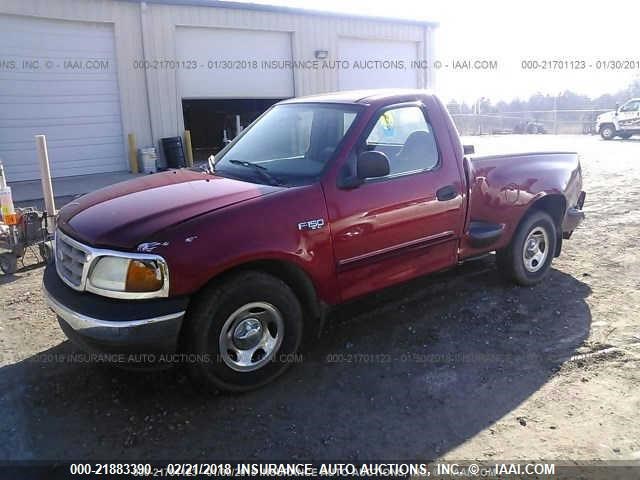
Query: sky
column 511, row 32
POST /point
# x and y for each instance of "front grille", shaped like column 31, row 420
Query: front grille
column 70, row 260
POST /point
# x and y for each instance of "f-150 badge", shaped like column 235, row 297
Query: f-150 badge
column 311, row 224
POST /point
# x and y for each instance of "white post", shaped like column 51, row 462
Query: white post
column 3, row 180
column 45, row 178
column 238, row 125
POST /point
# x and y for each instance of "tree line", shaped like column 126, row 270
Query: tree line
column 567, row 100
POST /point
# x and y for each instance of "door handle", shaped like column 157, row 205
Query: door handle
column 446, row 193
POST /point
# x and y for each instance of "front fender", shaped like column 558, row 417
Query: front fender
column 265, row 228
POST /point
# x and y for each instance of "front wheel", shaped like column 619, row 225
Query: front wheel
column 607, row 132
column 243, row 333
column 527, row 259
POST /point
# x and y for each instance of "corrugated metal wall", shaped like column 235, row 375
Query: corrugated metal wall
column 151, row 107
column 125, row 19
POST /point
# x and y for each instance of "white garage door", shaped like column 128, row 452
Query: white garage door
column 376, row 64
column 230, row 63
column 58, row 78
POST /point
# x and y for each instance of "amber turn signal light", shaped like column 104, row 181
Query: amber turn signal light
column 143, row 277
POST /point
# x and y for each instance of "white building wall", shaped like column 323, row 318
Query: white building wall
column 309, row 33
column 125, row 19
column 151, row 106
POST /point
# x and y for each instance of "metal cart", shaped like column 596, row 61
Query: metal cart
column 29, row 234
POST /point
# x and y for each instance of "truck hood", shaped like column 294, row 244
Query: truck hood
column 126, row 214
column 606, row 117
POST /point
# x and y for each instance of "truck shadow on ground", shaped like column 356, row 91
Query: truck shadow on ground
column 409, row 373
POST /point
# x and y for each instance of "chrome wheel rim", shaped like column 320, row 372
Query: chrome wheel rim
column 251, row 336
column 536, row 249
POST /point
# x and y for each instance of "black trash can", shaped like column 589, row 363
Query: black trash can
column 173, row 152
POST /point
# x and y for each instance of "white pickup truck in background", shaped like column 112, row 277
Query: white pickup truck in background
column 622, row 122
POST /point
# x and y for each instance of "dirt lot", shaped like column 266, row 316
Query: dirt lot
column 467, row 366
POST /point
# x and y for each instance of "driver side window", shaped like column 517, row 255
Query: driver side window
column 406, row 138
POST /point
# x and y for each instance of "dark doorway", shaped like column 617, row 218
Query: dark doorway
column 213, row 123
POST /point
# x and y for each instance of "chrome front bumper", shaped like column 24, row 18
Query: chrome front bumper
column 78, row 321
column 113, row 325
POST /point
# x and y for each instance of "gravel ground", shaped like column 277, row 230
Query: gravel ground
column 459, row 365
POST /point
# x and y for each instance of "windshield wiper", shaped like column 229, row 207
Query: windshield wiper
column 262, row 171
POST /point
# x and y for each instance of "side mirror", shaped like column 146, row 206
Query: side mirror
column 372, row 164
column 468, row 149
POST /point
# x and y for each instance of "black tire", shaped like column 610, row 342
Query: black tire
column 8, row 263
column 216, row 305
column 608, row 132
column 511, row 260
column 625, row 136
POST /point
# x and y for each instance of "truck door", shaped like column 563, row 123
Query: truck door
column 408, row 223
column 629, row 116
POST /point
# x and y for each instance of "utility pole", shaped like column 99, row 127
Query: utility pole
column 479, row 114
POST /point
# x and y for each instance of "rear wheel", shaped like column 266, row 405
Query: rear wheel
column 245, row 332
column 527, row 259
column 607, row 132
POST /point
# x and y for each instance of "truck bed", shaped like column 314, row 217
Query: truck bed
column 502, row 187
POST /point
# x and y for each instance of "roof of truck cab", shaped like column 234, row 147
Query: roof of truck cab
column 363, row 96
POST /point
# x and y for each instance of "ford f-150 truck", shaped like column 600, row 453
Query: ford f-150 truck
column 321, row 200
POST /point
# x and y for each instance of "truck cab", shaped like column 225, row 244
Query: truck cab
column 622, row 122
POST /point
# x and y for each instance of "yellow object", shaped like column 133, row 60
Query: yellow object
column 143, row 277
column 133, row 154
column 387, row 120
column 187, row 146
column 9, row 215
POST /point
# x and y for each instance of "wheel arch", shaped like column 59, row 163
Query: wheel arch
column 606, row 124
column 555, row 205
column 291, row 274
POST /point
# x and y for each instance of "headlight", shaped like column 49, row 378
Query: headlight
column 121, row 274
column 110, row 273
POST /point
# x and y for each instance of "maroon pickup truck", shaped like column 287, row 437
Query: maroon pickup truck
column 321, row 200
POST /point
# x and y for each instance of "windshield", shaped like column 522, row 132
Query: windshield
column 290, row 145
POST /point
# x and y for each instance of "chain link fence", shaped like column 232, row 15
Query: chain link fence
column 528, row 121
